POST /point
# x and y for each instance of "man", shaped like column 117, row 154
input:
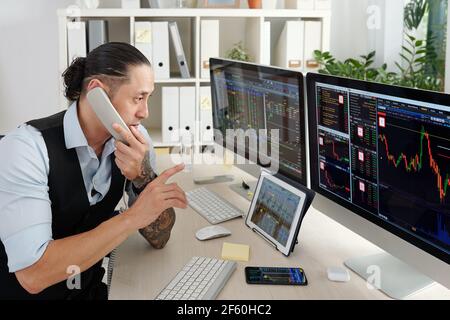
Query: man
column 62, row 177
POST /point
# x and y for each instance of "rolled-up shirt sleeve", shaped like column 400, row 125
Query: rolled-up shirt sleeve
column 25, row 207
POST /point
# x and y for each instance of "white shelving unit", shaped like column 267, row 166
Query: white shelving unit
column 234, row 27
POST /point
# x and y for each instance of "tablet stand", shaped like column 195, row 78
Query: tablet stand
column 273, row 244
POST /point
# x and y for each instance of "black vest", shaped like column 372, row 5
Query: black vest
column 71, row 213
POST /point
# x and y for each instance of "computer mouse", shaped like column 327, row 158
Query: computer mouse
column 212, row 232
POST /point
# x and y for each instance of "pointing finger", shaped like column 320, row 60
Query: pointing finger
column 169, row 173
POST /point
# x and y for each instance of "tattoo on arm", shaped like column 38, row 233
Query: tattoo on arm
column 147, row 173
column 158, row 232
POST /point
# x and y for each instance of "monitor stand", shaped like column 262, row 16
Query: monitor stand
column 247, row 194
column 390, row 275
column 251, row 179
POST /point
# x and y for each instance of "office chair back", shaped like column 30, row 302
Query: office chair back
column 1, row 137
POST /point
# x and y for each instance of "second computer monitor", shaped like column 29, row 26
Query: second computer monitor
column 248, row 96
column 383, row 153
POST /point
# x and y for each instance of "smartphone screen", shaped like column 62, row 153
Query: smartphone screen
column 275, row 275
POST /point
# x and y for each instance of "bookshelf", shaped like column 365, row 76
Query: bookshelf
column 245, row 25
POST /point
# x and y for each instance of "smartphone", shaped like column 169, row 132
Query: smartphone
column 106, row 112
column 276, row 276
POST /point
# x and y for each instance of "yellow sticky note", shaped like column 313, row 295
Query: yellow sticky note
column 235, row 252
column 143, row 36
column 205, row 103
column 162, row 151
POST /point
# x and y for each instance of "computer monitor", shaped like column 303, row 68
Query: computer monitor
column 383, row 153
column 247, row 96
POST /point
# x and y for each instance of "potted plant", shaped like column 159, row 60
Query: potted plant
column 238, row 52
column 254, row 4
column 421, row 63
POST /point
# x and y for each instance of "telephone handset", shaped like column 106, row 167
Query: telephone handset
column 106, row 112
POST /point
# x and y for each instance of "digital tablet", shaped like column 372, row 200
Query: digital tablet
column 276, row 212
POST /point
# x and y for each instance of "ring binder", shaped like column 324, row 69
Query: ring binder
column 179, row 51
column 209, row 44
column 290, row 47
column 161, row 56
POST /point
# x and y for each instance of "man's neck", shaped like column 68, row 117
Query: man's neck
column 94, row 131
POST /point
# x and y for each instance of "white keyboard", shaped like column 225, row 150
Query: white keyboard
column 211, row 206
column 200, row 279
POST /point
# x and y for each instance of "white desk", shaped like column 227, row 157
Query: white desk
column 141, row 272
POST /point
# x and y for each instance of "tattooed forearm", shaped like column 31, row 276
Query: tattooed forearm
column 147, row 173
column 158, row 232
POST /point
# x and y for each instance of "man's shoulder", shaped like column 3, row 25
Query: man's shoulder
column 23, row 135
column 24, row 145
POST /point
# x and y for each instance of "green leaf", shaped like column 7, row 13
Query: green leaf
column 414, row 13
column 371, row 55
column 354, row 62
column 330, row 70
column 368, row 63
column 421, row 60
column 407, row 50
column 400, row 67
column 411, row 38
column 404, row 58
column 410, row 43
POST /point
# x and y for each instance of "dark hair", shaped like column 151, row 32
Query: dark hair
column 108, row 62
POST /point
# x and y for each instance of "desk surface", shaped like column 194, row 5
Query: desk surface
column 141, row 272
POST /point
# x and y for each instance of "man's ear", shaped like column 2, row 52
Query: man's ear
column 95, row 83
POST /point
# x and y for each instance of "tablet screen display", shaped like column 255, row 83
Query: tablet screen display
column 275, row 210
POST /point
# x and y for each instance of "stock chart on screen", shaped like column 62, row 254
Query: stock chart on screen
column 260, row 98
column 389, row 156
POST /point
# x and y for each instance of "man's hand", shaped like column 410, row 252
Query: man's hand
column 156, row 198
column 130, row 159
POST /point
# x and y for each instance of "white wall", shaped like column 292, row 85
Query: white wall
column 348, row 28
column 28, row 60
column 361, row 26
